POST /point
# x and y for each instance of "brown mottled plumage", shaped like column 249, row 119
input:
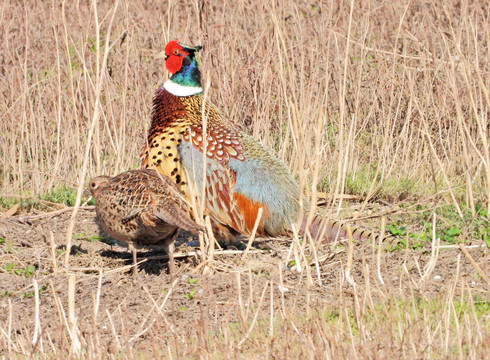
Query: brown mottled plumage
column 141, row 208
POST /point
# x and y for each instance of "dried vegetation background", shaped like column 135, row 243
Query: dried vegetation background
column 385, row 101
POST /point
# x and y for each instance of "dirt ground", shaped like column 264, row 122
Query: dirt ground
column 196, row 302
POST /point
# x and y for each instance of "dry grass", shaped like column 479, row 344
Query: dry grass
column 389, row 92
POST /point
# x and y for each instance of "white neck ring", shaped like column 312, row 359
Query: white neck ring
column 181, row 90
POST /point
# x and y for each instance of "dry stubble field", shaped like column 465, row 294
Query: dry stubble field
column 381, row 111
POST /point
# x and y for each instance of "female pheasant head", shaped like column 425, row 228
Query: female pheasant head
column 96, row 184
column 182, row 62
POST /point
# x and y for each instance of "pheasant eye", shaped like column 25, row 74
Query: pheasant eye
column 175, row 51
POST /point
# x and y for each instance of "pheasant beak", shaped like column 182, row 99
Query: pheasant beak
column 86, row 192
column 161, row 55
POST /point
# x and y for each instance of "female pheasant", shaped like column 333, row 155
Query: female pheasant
column 241, row 175
column 141, row 208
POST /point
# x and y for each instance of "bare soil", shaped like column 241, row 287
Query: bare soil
column 197, row 304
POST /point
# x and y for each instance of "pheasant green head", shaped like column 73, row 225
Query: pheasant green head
column 182, row 62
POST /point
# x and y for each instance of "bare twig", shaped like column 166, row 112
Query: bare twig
column 473, row 262
column 101, row 67
column 252, row 236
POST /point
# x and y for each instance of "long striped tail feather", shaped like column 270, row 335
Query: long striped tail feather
column 332, row 230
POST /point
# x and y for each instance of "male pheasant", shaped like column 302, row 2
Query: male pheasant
column 242, row 175
column 141, row 208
